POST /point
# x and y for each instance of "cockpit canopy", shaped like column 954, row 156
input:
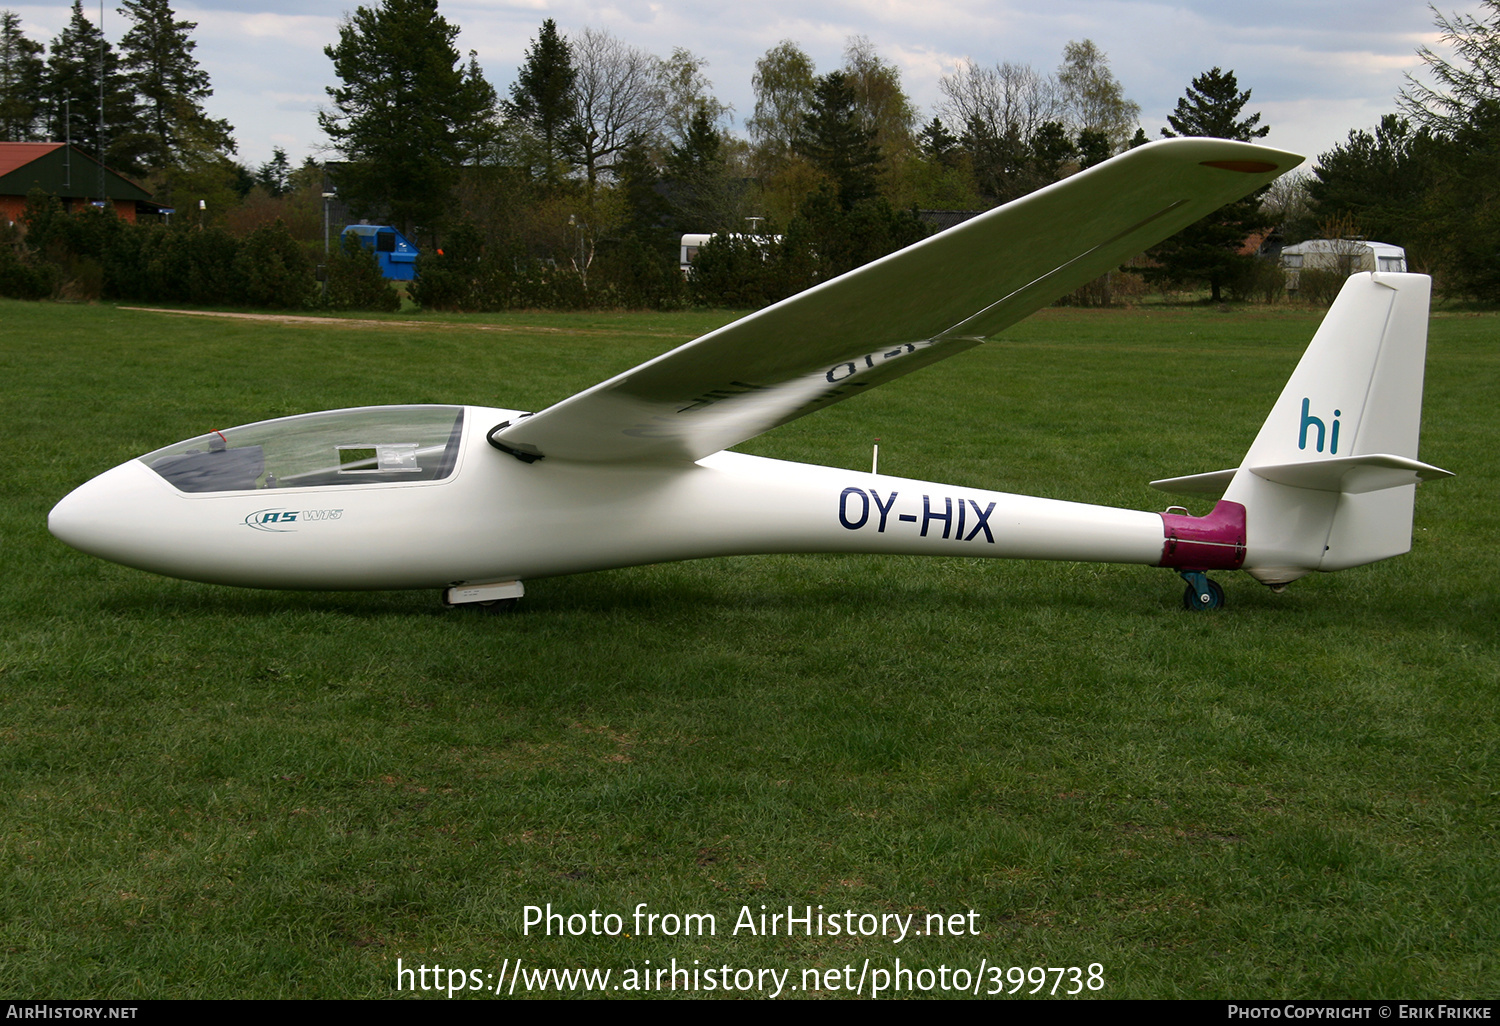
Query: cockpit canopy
column 368, row 445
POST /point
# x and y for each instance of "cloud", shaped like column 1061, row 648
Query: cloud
column 1308, row 64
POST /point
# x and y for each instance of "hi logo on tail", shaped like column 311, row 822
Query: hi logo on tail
column 1310, row 421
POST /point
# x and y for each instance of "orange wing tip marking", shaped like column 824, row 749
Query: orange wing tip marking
column 1249, row 167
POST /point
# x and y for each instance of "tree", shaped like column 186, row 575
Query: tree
column 1461, row 220
column 879, row 100
column 1378, row 179
column 1211, row 109
column 1051, row 149
column 408, row 115
column 1464, row 84
column 942, row 176
column 22, row 72
column 835, row 141
column 937, row 143
column 1093, row 99
column 80, row 60
column 1209, row 250
column 156, row 56
column 688, row 93
column 1011, row 117
column 275, row 175
column 1093, row 148
column 1458, row 150
column 1008, row 100
column 617, row 96
column 541, row 100
column 783, row 85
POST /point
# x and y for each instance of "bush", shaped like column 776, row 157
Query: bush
column 274, row 271
column 1263, row 281
column 20, row 279
column 738, row 271
column 355, row 282
column 540, row 285
column 1319, row 287
column 637, row 276
column 449, row 278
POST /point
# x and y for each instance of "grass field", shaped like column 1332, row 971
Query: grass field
column 208, row 792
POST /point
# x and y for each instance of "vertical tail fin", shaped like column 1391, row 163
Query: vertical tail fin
column 1331, row 478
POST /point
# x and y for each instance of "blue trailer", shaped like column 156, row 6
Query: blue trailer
column 395, row 252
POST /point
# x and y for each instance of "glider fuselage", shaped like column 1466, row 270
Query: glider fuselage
column 492, row 517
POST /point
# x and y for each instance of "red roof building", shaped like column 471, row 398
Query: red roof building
column 69, row 174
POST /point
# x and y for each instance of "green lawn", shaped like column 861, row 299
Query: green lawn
column 208, row 792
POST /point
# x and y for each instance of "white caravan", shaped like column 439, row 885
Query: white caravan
column 1340, row 256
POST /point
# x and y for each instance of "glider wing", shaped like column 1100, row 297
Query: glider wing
column 929, row 301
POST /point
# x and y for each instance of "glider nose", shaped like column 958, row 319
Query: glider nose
column 110, row 516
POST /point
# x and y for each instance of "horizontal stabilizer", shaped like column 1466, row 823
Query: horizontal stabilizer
column 1351, row 475
column 1196, row 484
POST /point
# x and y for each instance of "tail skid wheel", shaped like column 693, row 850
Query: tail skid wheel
column 504, row 605
column 495, row 596
column 1201, row 594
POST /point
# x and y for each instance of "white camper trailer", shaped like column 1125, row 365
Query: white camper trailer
column 692, row 243
column 1341, row 256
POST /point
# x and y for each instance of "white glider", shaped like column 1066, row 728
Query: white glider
column 636, row 470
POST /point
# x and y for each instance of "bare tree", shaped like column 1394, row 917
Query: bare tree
column 618, row 97
column 1287, row 199
column 1007, row 100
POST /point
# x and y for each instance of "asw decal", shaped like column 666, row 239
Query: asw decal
column 284, row 521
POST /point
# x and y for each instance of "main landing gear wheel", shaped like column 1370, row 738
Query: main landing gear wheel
column 1201, row 594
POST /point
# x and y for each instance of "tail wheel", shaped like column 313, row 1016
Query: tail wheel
column 1204, row 596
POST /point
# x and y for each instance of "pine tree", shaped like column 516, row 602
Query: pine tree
column 1208, row 251
column 1460, row 117
column 938, row 143
column 1050, row 149
column 705, row 197
column 701, row 150
column 275, row 175
column 1212, row 108
column 408, row 115
column 156, row 56
column 541, row 99
column 22, row 73
column 1468, row 86
column 835, row 142
column 80, row 57
column 1378, row 181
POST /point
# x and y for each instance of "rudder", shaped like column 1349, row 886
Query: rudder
column 1330, row 480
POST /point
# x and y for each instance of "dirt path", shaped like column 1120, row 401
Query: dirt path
column 344, row 322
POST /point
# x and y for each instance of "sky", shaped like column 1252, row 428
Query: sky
column 1316, row 69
